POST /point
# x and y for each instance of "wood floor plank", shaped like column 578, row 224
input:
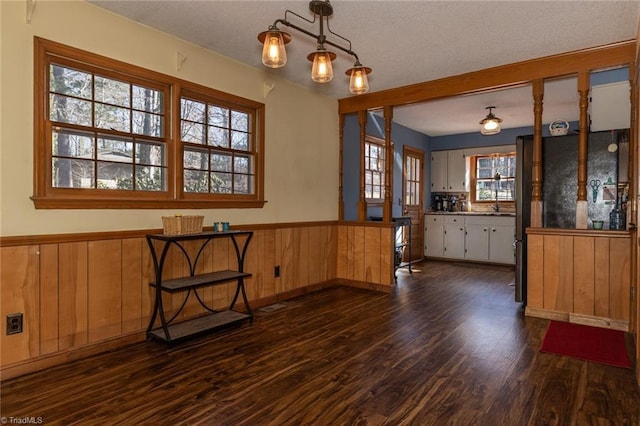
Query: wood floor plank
column 447, row 346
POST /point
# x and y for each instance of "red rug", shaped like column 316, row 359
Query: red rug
column 595, row 344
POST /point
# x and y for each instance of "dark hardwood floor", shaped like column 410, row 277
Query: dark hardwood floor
column 448, row 347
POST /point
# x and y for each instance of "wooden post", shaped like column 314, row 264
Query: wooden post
column 341, row 168
column 536, row 172
column 583, row 140
column 388, row 166
column 362, row 203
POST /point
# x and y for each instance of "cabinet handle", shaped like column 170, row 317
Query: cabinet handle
column 494, row 229
column 485, row 229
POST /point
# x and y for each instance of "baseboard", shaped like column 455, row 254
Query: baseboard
column 365, row 285
column 47, row 361
column 583, row 319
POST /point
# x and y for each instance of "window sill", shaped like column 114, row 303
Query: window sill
column 74, row 203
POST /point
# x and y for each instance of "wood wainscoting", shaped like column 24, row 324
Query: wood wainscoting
column 86, row 293
column 579, row 276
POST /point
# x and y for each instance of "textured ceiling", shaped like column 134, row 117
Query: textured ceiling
column 407, row 42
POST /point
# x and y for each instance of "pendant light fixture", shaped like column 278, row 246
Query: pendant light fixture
column 274, row 54
column 490, row 125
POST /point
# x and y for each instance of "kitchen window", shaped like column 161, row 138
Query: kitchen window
column 374, row 169
column 484, row 186
column 112, row 135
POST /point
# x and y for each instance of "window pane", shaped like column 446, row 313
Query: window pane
column 72, row 144
column 240, row 121
column 192, row 110
column 241, row 165
column 150, row 153
column 221, row 162
column 115, row 176
column 68, row 81
column 484, row 190
column 195, row 181
column 150, row 178
column 115, row 149
column 147, row 124
column 196, row 160
column 149, row 100
column 72, row 173
column 112, row 92
column 218, row 137
column 241, row 184
column 221, row 183
column 240, row 141
column 70, row 110
column 218, row 116
column 192, row 132
column 111, row 117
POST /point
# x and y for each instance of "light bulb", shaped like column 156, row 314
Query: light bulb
column 322, row 69
column 274, row 54
column 358, row 83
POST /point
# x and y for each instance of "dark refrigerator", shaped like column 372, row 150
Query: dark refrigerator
column 524, row 166
column 606, row 168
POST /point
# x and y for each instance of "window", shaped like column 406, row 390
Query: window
column 484, row 186
column 112, row 135
column 374, row 169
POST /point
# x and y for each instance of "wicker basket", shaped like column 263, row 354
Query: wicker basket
column 182, row 225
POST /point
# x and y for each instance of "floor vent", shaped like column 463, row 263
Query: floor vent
column 273, row 307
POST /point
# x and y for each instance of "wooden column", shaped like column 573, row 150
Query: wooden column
column 536, row 173
column 362, row 203
column 387, row 212
column 583, row 139
column 341, row 168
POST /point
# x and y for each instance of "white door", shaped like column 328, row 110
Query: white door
column 438, row 171
column 434, row 236
column 477, row 242
column 454, row 240
column 501, row 244
column 456, row 170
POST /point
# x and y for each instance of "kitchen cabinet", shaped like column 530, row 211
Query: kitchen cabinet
column 501, row 238
column 476, row 241
column 479, row 238
column 434, row 235
column 456, row 170
column 448, row 171
column 439, row 171
column 454, row 237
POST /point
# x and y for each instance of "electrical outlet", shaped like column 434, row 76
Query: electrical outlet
column 276, row 271
column 14, row 323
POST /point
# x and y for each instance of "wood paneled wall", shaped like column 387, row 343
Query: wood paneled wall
column 84, row 291
column 580, row 276
column 365, row 253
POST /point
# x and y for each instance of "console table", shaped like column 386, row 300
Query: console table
column 169, row 330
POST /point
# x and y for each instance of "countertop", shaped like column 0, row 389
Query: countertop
column 509, row 214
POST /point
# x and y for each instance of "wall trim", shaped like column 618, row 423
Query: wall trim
column 578, row 318
column 23, row 240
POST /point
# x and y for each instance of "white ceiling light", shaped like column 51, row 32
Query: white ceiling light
column 490, row 125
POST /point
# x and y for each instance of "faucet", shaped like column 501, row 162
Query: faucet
column 497, row 178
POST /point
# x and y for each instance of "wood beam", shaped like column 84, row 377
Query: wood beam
column 341, row 168
column 388, row 164
column 617, row 54
column 362, row 203
column 583, row 141
column 536, row 173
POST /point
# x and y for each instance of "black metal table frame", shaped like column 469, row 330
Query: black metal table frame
column 158, row 264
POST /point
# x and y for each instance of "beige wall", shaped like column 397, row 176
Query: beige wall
column 301, row 161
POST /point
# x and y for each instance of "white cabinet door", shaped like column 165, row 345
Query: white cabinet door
column 434, row 235
column 501, row 244
column 439, row 171
column 456, row 170
column 476, row 242
column 454, row 237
